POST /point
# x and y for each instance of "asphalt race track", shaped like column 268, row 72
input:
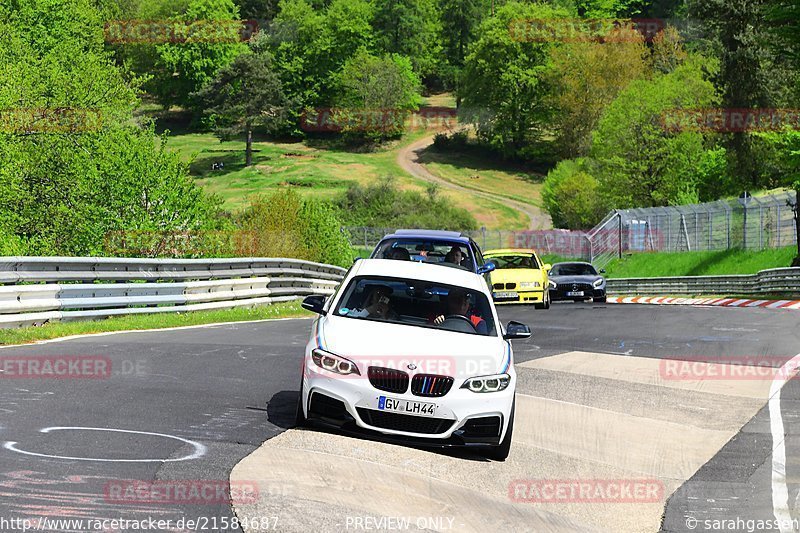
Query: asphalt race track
column 594, row 403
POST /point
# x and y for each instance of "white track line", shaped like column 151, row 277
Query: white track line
column 780, row 492
column 175, row 328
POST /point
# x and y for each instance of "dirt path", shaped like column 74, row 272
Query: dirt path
column 408, row 159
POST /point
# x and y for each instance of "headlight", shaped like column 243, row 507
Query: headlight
column 493, row 383
column 551, row 284
column 598, row 282
column 529, row 284
column 334, row 363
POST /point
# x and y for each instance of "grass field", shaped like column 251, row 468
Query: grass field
column 140, row 322
column 319, row 170
column 648, row 265
column 481, row 174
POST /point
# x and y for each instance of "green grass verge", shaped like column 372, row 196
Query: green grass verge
column 649, row 265
column 156, row 321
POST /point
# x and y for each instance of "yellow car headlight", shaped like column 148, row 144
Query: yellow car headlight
column 530, row 285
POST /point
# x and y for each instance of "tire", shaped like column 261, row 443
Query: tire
column 599, row 300
column 501, row 451
column 300, row 419
column 545, row 303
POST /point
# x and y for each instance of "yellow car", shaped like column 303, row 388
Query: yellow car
column 520, row 277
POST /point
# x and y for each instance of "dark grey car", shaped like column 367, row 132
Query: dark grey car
column 576, row 281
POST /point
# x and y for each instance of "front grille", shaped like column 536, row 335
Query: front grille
column 388, row 379
column 407, row 423
column 431, row 385
column 501, row 286
column 572, row 287
column 486, row 426
column 511, row 285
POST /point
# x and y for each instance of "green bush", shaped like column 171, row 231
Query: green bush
column 572, row 195
column 384, row 205
column 284, row 225
column 455, row 141
column 10, row 244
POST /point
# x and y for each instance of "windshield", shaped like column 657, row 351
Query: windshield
column 514, row 261
column 447, row 253
column 417, row 303
column 573, row 269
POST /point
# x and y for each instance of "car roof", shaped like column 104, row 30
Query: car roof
column 573, row 263
column 428, row 234
column 419, row 271
column 510, row 251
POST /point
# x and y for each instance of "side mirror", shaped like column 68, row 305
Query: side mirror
column 547, row 267
column 314, row 303
column 602, row 270
column 487, row 267
column 517, row 330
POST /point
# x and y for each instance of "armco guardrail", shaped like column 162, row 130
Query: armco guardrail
column 776, row 280
column 35, row 290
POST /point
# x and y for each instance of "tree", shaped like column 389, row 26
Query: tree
column 784, row 19
column 376, row 94
column 410, row 28
column 504, row 91
column 183, row 68
column 311, row 45
column 80, row 169
column 245, row 94
column 587, row 77
column 257, row 9
column 572, row 195
column 640, row 162
column 460, row 20
column 747, row 72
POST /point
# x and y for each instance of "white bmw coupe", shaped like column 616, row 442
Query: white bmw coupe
column 413, row 352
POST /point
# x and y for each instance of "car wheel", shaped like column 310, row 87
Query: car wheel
column 545, row 303
column 300, row 417
column 501, row 451
column 599, row 300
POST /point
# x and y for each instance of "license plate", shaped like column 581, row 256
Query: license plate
column 575, row 293
column 506, row 295
column 406, row 407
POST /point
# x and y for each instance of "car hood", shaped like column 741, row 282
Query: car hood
column 575, row 279
column 371, row 343
column 516, row 274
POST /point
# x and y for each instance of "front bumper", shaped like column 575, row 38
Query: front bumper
column 558, row 294
column 462, row 417
column 522, row 297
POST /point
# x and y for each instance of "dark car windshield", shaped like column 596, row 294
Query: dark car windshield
column 443, row 252
column 417, row 303
column 573, row 269
column 514, row 261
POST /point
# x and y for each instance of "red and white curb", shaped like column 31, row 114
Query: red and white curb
column 719, row 302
